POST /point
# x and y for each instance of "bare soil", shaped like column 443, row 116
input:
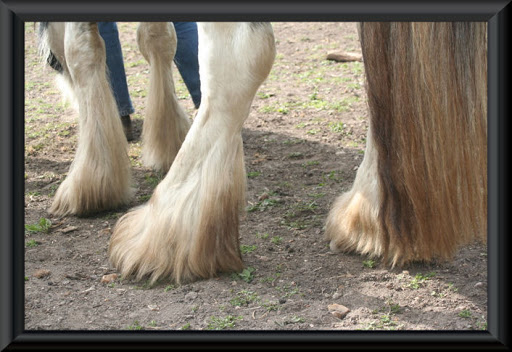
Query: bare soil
column 303, row 140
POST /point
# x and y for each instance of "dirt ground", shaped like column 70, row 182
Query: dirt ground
column 303, row 141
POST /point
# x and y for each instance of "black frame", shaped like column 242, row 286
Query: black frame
column 13, row 14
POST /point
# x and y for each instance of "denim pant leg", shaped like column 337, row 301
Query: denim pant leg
column 115, row 66
column 186, row 58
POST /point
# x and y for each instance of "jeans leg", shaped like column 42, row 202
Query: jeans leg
column 115, row 66
column 186, row 58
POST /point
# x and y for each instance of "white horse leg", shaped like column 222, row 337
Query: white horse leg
column 99, row 177
column 189, row 227
column 165, row 124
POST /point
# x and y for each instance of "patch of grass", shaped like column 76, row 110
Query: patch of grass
column 332, row 176
column 451, row 287
column 419, row 280
column 253, row 174
column 292, row 320
column 276, row 240
column 169, row 288
column 357, row 67
column 263, row 95
column 52, row 189
column 370, row 263
column 280, row 108
column 466, row 313
column 152, row 179
column 222, row 323
column 337, row 127
column 245, row 249
column 145, row 197
column 310, row 163
column 482, row 325
column 34, row 194
column 263, row 235
column 145, row 286
column 246, row 275
column 264, row 204
column 287, row 290
column 185, row 327
column 32, row 243
column 270, row 306
column 244, row 298
column 296, row 155
column 135, row 326
column 271, row 278
column 384, row 322
column 136, row 63
column 43, row 226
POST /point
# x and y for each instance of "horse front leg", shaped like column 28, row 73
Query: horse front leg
column 165, row 124
column 99, row 177
column 189, row 227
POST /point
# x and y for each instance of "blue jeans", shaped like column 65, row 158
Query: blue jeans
column 185, row 59
column 115, row 65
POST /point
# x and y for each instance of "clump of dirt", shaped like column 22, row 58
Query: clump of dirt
column 303, row 141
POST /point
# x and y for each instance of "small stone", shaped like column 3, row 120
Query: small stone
column 69, row 229
column 107, row 279
column 263, row 196
column 105, row 232
column 338, row 310
column 41, row 273
column 153, row 307
column 479, row 284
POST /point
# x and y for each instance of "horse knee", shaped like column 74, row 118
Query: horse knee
column 157, row 38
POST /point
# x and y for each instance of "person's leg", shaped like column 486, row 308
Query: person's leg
column 116, row 73
column 186, row 58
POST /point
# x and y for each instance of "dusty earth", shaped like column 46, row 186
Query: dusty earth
column 304, row 140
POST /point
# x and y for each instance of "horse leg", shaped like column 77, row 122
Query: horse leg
column 421, row 190
column 99, row 177
column 189, row 227
column 165, row 124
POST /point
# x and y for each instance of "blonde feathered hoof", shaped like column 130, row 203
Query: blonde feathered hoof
column 84, row 194
column 163, row 244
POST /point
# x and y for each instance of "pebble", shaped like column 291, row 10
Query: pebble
column 338, row 310
column 41, row 273
column 106, row 279
column 479, row 284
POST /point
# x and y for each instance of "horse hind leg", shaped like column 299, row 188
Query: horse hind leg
column 421, row 190
column 189, row 227
column 165, row 124
column 99, row 177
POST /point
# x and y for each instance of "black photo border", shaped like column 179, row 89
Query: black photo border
column 13, row 15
